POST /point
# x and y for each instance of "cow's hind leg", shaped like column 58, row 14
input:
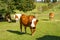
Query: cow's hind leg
column 25, row 29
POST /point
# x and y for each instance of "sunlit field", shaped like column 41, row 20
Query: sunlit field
column 45, row 29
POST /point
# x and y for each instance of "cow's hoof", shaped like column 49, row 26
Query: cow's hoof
column 33, row 34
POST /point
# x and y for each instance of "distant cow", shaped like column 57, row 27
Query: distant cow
column 30, row 21
column 51, row 16
column 8, row 17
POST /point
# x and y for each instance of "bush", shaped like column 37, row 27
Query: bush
column 46, row 1
column 50, row 5
column 45, row 8
column 25, row 5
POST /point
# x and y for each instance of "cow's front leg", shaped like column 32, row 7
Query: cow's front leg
column 20, row 26
column 32, row 30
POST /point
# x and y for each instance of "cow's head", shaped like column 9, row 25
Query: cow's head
column 34, row 22
column 33, row 25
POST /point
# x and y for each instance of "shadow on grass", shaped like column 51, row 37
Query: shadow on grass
column 16, row 32
column 13, row 21
column 45, row 19
column 49, row 37
column 2, row 20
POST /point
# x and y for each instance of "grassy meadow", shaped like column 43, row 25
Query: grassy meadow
column 45, row 29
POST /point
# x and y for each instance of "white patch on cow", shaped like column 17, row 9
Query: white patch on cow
column 32, row 24
column 16, row 19
column 9, row 20
column 18, row 15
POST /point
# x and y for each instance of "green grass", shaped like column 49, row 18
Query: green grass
column 45, row 29
column 11, row 31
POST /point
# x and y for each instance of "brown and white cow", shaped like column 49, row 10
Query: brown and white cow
column 30, row 21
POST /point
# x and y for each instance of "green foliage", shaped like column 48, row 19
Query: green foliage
column 22, row 5
column 3, row 7
column 25, row 5
column 6, row 6
column 50, row 5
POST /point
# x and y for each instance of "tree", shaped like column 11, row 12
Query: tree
column 24, row 5
column 6, row 6
column 10, row 5
column 3, row 7
column 47, row 1
column 54, row 1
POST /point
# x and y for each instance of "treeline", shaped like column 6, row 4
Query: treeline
column 10, row 5
column 47, row 1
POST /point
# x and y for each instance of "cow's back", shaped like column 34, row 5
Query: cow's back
column 24, row 19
